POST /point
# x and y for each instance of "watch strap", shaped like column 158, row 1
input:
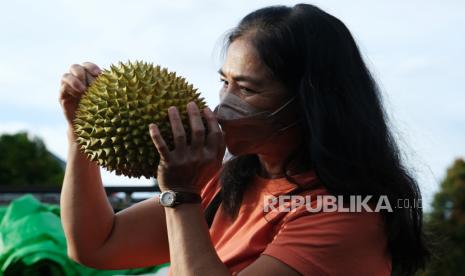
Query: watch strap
column 187, row 197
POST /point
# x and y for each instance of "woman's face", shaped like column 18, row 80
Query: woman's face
column 245, row 75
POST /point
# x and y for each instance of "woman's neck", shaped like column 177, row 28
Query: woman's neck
column 274, row 166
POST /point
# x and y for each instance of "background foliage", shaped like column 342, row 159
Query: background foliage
column 446, row 224
column 25, row 160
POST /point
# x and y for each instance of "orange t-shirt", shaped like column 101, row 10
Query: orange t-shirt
column 321, row 243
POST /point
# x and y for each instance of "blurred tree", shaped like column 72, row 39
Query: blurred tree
column 25, row 161
column 446, row 223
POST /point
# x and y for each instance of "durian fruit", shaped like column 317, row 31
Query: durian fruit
column 113, row 116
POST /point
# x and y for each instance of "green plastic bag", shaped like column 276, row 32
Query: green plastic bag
column 2, row 212
column 32, row 242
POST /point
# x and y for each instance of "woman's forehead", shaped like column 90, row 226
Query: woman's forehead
column 242, row 59
column 243, row 64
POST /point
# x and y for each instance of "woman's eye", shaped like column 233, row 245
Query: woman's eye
column 246, row 90
column 243, row 90
column 225, row 82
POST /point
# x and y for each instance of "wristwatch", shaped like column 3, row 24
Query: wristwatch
column 171, row 198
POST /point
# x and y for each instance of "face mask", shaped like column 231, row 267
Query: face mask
column 248, row 124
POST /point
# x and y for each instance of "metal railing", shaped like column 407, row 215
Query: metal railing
column 43, row 189
column 52, row 194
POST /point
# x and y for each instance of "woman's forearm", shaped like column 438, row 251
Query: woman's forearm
column 86, row 213
column 191, row 249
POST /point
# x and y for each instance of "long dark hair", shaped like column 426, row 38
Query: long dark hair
column 347, row 139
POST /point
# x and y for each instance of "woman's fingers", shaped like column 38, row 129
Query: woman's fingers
column 93, row 69
column 79, row 72
column 85, row 73
column 159, row 142
column 214, row 143
column 179, row 134
column 215, row 136
column 72, row 85
column 197, row 127
column 78, row 79
column 65, row 92
column 90, row 78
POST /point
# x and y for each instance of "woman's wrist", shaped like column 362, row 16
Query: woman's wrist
column 186, row 208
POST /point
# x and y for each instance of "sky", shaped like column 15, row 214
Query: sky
column 415, row 50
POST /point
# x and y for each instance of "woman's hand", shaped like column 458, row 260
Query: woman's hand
column 73, row 85
column 188, row 167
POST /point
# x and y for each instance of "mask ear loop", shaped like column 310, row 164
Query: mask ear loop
column 283, row 129
column 281, row 109
column 283, row 106
column 290, row 126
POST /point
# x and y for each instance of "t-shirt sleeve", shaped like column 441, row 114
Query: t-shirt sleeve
column 209, row 190
column 332, row 243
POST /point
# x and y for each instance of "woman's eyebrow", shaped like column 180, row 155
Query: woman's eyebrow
column 251, row 80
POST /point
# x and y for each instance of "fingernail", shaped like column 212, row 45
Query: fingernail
column 97, row 71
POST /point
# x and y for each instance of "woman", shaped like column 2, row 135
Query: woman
column 301, row 115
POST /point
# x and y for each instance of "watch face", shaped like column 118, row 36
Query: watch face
column 167, row 198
